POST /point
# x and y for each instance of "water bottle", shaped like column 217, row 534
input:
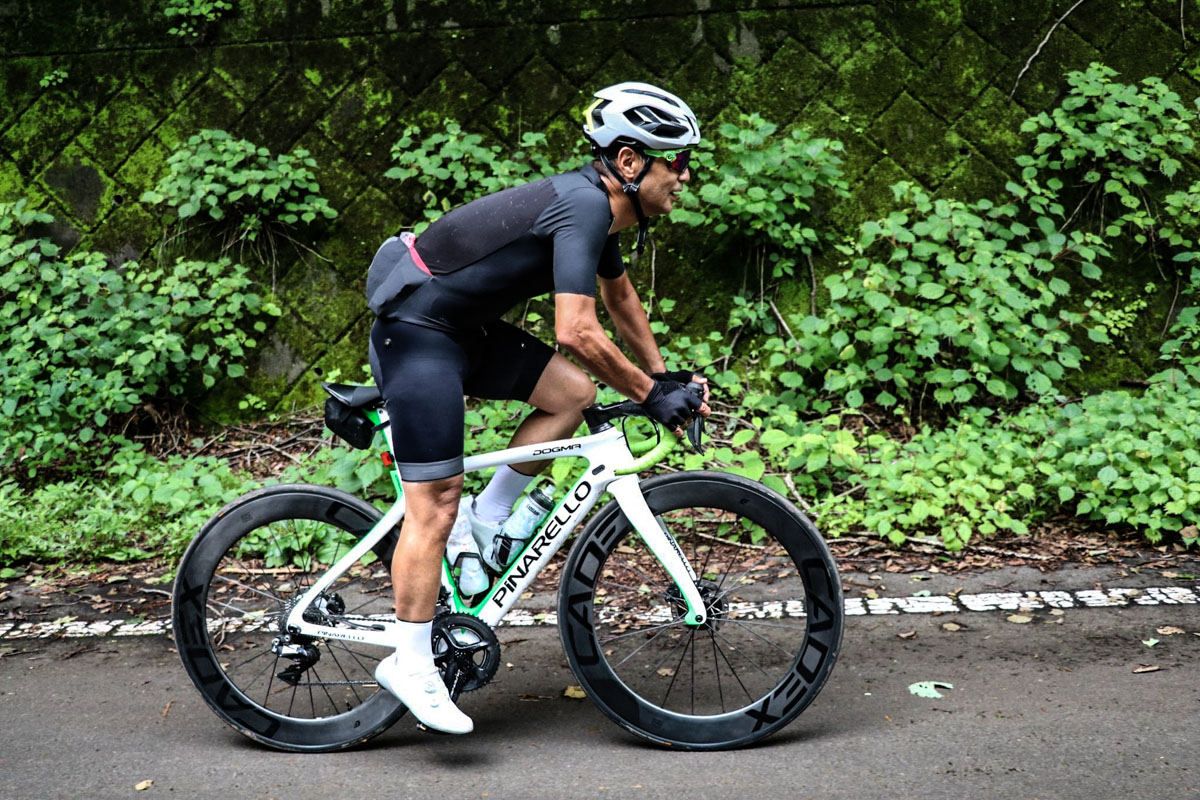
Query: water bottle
column 463, row 554
column 517, row 529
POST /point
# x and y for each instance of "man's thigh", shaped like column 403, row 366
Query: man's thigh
column 421, row 379
column 505, row 362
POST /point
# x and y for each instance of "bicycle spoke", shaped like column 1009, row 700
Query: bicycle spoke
column 241, row 664
column 717, row 671
column 639, row 648
column 759, row 636
column 762, row 623
column 741, row 653
column 332, row 703
column 232, row 582
column 345, row 676
column 732, row 670
column 675, row 674
column 672, row 624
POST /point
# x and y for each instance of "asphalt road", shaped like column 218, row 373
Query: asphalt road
column 1049, row 708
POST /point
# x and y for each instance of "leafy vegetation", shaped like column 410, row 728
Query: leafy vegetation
column 949, row 300
column 53, row 78
column 84, row 341
column 235, row 182
column 923, row 394
column 761, row 187
column 453, row 167
column 144, row 506
column 192, row 16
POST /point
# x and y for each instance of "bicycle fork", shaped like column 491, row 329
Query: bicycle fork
column 660, row 541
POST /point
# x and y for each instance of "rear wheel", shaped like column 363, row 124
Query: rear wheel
column 235, row 587
column 774, row 608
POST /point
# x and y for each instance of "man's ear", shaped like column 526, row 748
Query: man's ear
column 629, row 163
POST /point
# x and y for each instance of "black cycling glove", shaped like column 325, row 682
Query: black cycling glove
column 670, row 403
column 683, row 376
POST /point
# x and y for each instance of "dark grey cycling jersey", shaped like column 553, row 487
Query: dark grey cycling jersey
column 489, row 255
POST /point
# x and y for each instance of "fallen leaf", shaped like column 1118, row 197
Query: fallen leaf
column 951, row 626
column 666, row 672
column 929, row 688
column 167, row 709
column 575, row 692
column 1169, row 574
column 143, row 786
column 1019, row 619
column 123, row 579
column 1149, row 642
column 1145, row 668
column 1169, row 630
column 64, row 620
column 924, row 593
column 907, row 635
column 1058, row 612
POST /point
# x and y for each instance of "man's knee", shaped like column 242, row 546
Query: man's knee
column 433, row 503
column 582, row 392
column 563, row 389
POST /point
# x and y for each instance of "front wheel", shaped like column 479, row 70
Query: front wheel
column 774, row 607
column 236, row 585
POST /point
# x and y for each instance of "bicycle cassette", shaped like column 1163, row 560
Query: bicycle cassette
column 465, row 650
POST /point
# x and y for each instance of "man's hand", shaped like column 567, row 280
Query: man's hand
column 670, row 403
column 685, row 377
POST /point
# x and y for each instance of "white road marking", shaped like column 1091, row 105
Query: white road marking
column 855, row 606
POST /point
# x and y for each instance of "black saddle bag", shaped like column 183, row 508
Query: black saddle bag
column 351, row 424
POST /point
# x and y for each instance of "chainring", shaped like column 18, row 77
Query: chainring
column 465, row 650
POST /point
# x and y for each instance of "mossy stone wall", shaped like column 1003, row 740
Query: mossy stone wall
column 917, row 90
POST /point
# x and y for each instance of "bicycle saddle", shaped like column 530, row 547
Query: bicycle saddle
column 354, row 396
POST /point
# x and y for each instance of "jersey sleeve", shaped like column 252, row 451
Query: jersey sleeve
column 578, row 223
column 611, row 264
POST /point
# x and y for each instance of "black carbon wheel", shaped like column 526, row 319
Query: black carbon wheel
column 235, row 586
column 775, row 615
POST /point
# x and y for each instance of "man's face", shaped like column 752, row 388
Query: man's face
column 661, row 187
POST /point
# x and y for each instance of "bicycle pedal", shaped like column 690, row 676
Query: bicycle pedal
column 421, row 726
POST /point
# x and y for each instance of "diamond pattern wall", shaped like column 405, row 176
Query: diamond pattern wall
column 920, row 90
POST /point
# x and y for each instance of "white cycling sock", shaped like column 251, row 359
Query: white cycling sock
column 414, row 646
column 495, row 503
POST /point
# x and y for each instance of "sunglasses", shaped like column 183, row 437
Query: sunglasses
column 677, row 160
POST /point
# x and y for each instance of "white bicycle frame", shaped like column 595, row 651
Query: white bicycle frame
column 610, row 465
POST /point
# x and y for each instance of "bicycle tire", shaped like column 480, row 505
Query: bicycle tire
column 779, row 619
column 229, row 606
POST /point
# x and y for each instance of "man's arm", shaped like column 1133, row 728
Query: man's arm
column 625, row 308
column 580, row 333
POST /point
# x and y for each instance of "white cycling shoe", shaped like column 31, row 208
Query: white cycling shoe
column 425, row 695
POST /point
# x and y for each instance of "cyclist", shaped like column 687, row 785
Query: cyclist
column 438, row 335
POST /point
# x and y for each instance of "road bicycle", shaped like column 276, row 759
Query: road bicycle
column 697, row 609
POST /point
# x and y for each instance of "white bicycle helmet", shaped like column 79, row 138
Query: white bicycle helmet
column 640, row 114
column 646, row 118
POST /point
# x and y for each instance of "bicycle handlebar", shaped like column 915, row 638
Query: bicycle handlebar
column 655, row 454
column 599, row 417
